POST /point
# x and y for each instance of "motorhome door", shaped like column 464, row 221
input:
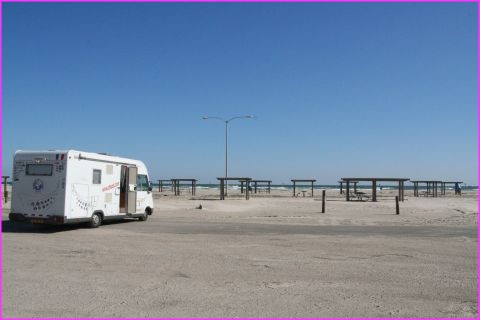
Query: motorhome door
column 132, row 190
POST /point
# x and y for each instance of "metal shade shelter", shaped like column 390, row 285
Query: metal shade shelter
column 177, row 182
column 400, row 181
column 431, row 186
column 354, row 186
column 241, row 180
column 160, row 184
column 255, row 185
column 295, row 181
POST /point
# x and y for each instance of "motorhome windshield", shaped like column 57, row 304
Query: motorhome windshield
column 39, row 170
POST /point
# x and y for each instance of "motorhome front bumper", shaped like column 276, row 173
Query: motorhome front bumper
column 18, row 217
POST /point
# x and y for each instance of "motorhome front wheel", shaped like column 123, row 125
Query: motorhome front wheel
column 96, row 220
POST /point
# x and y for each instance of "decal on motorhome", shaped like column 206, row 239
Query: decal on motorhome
column 80, row 197
column 110, row 186
column 18, row 169
column 37, row 185
column 39, row 200
column 42, row 204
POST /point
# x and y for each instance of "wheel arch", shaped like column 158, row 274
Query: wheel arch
column 99, row 212
column 149, row 210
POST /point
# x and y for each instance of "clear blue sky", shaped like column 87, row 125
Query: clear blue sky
column 338, row 89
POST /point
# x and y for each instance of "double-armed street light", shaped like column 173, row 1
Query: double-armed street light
column 227, row 121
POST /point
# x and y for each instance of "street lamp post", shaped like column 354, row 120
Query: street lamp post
column 227, row 121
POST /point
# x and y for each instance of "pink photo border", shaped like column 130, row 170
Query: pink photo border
column 439, row 1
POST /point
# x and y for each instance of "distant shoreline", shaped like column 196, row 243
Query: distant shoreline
column 320, row 186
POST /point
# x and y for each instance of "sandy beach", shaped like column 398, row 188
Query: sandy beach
column 280, row 207
column 270, row 256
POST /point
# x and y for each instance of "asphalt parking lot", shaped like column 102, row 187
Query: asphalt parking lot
column 178, row 267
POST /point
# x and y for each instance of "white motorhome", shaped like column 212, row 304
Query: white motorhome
column 68, row 186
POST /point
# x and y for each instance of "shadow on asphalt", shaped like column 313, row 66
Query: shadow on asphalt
column 25, row 227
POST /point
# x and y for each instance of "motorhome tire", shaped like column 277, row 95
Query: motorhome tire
column 144, row 217
column 96, row 220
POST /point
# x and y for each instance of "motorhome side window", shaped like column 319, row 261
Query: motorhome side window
column 142, row 182
column 97, row 176
column 39, row 169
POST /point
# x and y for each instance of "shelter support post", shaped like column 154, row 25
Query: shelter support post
column 401, row 189
column 222, row 190
column 5, row 191
column 323, row 201
column 348, row 190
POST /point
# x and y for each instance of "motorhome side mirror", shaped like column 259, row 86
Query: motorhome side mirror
column 150, row 189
